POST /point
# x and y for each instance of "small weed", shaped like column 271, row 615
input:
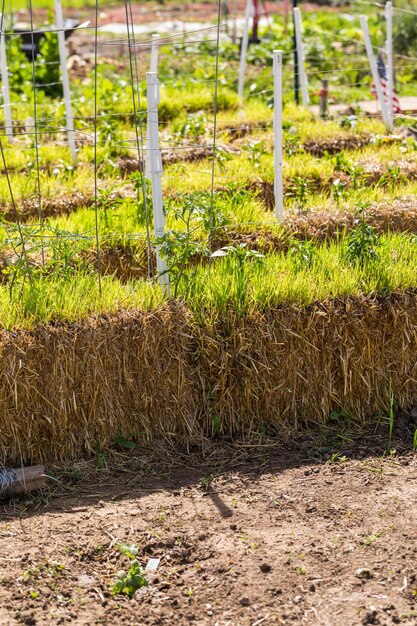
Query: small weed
column 303, row 254
column 123, row 442
column 350, row 121
column 337, row 458
column 392, row 177
column 206, row 482
column 363, row 241
column 339, row 191
column 127, row 583
column 368, row 541
column 415, row 441
column 299, row 190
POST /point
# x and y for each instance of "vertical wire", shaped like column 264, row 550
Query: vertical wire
column 12, row 198
column 35, row 114
column 216, row 89
column 140, row 143
column 138, row 126
column 95, row 153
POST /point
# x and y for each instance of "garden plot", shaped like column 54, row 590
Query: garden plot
column 244, row 536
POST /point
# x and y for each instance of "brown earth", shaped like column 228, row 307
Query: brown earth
column 247, row 535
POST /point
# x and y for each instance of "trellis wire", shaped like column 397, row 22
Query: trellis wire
column 95, row 150
column 213, row 165
column 139, row 135
column 35, row 124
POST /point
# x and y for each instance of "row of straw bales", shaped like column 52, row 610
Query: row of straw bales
column 67, row 391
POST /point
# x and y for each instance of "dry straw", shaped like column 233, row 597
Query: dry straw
column 67, row 391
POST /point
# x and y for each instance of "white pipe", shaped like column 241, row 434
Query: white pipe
column 5, row 83
column 244, row 48
column 65, row 80
column 154, row 53
column 390, row 63
column 301, row 57
column 374, row 70
column 156, row 172
column 278, row 182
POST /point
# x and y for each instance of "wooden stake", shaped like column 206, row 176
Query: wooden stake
column 23, row 480
column 324, row 94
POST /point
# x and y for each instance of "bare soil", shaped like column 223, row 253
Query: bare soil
column 247, row 535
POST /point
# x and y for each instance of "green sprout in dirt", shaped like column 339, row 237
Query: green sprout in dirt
column 127, row 583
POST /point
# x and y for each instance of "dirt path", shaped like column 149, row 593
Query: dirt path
column 279, row 540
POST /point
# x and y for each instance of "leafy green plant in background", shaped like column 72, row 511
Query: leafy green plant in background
column 128, row 582
column 195, row 126
column 392, row 177
column 299, row 190
column 178, row 247
column 254, row 152
column 237, row 259
column 363, row 241
column 339, row 190
column 303, row 253
column 48, row 72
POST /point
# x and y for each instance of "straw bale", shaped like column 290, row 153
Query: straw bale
column 66, row 391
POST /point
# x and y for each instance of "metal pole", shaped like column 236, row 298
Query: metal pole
column 390, row 64
column 278, row 182
column 244, row 49
column 5, row 82
column 300, row 54
column 296, row 68
column 65, row 80
column 156, row 173
column 374, row 70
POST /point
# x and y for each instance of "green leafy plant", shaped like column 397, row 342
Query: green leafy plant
column 303, row 253
column 338, row 190
column 238, row 259
column 363, row 241
column 299, row 191
column 392, row 177
column 128, row 582
column 254, row 152
column 195, row 126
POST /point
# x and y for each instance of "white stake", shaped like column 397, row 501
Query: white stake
column 374, row 70
column 301, row 57
column 59, row 20
column 244, row 48
column 390, row 63
column 278, row 184
column 154, row 53
column 5, row 82
column 156, row 172
column 154, row 68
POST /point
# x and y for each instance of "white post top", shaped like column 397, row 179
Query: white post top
column 152, row 89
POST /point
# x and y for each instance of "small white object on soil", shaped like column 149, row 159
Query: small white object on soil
column 152, row 565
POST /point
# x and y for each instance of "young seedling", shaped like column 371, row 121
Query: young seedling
column 127, row 583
